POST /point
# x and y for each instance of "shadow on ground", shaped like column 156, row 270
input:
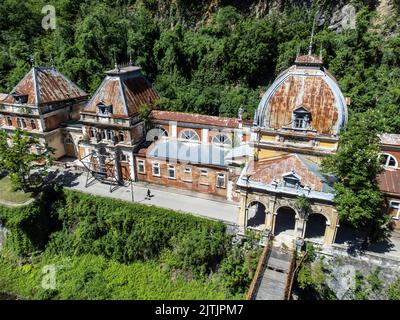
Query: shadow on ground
column 355, row 240
column 64, row 178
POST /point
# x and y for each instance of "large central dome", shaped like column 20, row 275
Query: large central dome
column 304, row 97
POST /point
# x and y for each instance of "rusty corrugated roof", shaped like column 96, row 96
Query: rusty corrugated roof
column 265, row 171
column 45, row 85
column 313, row 88
column 195, row 119
column 389, row 181
column 126, row 91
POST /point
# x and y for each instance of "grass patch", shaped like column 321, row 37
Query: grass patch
column 7, row 194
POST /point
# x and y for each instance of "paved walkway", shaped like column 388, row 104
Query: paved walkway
column 212, row 209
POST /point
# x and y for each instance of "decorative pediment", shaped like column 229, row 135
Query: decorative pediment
column 301, row 110
column 301, row 118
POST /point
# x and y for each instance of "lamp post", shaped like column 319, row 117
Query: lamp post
column 131, row 181
column 246, row 208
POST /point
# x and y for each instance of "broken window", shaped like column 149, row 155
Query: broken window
column 104, row 109
column 20, row 98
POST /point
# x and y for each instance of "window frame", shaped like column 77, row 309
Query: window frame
column 226, row 143
column 298, row 117
column 9, row 121
column 397, row 206
column 33, row 124
column 187, row 170
column 19, row 121
column 219, row 174
column 139, row 164
column 202, row 174
column 387, row 160
column 92, row 133
column 197, row 140
column 156, row 165
column 171, row 168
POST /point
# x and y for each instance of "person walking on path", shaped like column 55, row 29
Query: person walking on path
column 148, row 194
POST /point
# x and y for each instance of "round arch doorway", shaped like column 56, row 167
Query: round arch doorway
column 285, row 222
column 256, row 215
column 315, row 228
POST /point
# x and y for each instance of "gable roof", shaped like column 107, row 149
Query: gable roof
column 45, row 85
column 265, row 171
column 126, row 89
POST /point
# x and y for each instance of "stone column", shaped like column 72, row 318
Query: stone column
column 331, row 229
column 270, row 215
column 242, row 212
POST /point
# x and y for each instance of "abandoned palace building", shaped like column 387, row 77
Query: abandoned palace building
column 264, row 165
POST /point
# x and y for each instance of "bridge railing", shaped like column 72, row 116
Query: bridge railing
column 255, row 284
column 293, row 270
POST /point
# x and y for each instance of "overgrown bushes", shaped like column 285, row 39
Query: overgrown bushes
column 65, row 224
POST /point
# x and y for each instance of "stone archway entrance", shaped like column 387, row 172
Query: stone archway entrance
column 256, row 215
column 285, row 222
column 315, row 228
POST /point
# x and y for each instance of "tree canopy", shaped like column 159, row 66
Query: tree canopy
column 203, row 57
column 24, row 159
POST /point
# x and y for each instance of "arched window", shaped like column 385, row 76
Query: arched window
column 222, row 139
column 92, row 132
column 162, row 132
column 109, row 135
column 388, row 160
column 121, row 136
column 189, row 135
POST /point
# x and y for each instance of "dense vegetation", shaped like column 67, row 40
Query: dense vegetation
column 204, row 56
column 114, row 249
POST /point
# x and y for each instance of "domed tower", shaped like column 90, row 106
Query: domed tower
column 303, row 111
column 297, row 122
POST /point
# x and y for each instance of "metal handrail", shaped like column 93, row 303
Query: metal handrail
column 259, row 271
